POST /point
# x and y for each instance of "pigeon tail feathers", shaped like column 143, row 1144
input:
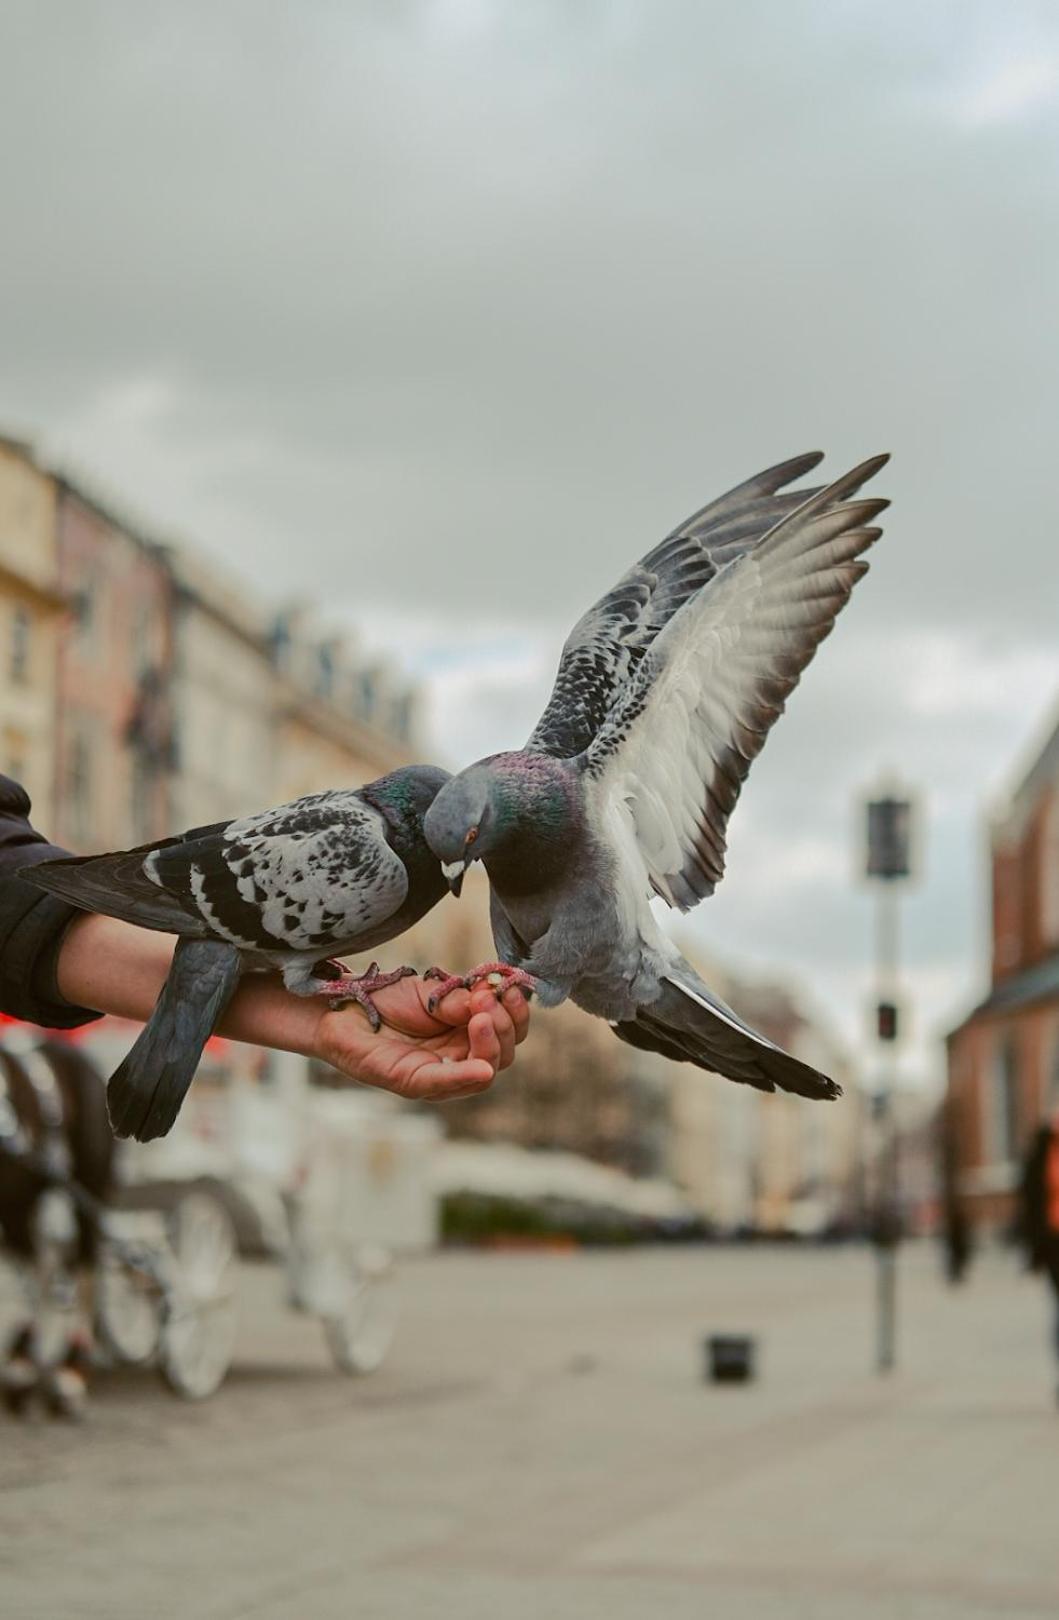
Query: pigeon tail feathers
column 117, row 886
column 689, row 1024
column 145, row 1093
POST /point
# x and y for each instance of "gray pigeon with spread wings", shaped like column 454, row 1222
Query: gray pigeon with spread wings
column 286, row 889
column 666, row 691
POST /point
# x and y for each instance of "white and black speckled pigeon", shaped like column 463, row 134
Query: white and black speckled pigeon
column 287, row 889
column 666, row 691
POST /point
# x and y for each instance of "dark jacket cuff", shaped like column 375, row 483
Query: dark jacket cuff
column 32, row 923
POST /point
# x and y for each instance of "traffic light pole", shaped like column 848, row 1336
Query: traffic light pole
column 887, row 1217
column 888, row 864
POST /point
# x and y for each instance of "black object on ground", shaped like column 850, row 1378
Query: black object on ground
column 729, row 1358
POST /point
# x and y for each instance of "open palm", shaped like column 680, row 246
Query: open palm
column 455, row 1051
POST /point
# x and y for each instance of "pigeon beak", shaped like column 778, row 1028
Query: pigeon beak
column 454, row 871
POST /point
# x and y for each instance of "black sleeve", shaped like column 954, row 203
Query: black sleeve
column 32, row 923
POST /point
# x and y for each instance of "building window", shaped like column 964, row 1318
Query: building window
column 1050, row 873
column 142, row 799
column 1003, row 1102
column 1051, row 1083
column 85, row 615
column 402, row 717
column 79, row 787
column 18, row 660
column 142, row 640
column 325, row 671
column 280, row 641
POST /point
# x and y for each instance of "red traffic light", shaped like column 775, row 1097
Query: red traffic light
column 886, row 1021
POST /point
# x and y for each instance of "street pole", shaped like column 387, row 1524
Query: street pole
column 888, row 863
column 887, row 1191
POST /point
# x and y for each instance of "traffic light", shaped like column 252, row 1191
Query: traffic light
column 889, row 827
column 886, row 1021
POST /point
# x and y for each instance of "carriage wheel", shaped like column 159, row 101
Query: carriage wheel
column 360, row 1335
column 128, row 1310
column 199, row 1326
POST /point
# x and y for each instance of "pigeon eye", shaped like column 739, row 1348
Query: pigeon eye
column 471, row 836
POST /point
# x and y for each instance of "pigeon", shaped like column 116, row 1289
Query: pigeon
column 665, row 693
column 287, row 889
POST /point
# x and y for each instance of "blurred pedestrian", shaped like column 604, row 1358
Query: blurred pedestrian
column 956, row 1232
column 958, row 1246
column 1039, row 1214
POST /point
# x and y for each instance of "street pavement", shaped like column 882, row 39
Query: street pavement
column 540, row 1444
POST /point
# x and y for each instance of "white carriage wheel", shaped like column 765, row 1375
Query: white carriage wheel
column 359, row 1337
column 198, row 1332
column 127, row 1309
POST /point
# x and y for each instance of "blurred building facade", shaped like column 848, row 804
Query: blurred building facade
column 1003, row 1060
column 31, row 622
column 222, row 698
column 145, row 690
column 768, row 1162
column 114, row 738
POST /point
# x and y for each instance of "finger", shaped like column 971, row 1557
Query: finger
column 483, row 1040
column 504, row 1027
column 519, row 1009
column 447, row 1082
column 484, row 1003
column 453, row 1011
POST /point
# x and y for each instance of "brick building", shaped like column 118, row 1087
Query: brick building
column 1003, row 1060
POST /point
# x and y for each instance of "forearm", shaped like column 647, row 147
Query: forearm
column 120, row 969
column 435, row 1055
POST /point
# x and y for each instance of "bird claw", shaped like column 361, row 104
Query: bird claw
column 361, row 987
column 499, row 974
column 447, row 983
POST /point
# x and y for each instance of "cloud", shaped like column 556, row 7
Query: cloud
column 1012, row 91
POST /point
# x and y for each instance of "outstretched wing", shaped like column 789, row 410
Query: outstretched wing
column 606, row 645
column 308, row 875
column 676, row 748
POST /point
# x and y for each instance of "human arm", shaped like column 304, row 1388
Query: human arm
column 452, row 1053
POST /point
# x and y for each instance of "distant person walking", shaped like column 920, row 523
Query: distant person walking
column 1040, row 1207
column 956, row 1232
column 958, row 1246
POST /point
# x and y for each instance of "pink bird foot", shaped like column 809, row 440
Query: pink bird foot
column 501, row 974
column 361, row 987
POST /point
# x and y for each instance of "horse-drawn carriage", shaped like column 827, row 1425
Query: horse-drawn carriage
column 261, row 1162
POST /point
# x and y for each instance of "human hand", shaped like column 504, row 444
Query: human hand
column 455, row 1051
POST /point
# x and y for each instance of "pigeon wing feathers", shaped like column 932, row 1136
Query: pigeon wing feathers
column 606, row 645
column 679, row 742
column 117, row 886
column 751, row 493
column 314, row 874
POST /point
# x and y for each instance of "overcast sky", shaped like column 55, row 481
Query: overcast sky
column 442, row 313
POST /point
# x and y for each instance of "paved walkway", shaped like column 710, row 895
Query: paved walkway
column 540, row 1445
